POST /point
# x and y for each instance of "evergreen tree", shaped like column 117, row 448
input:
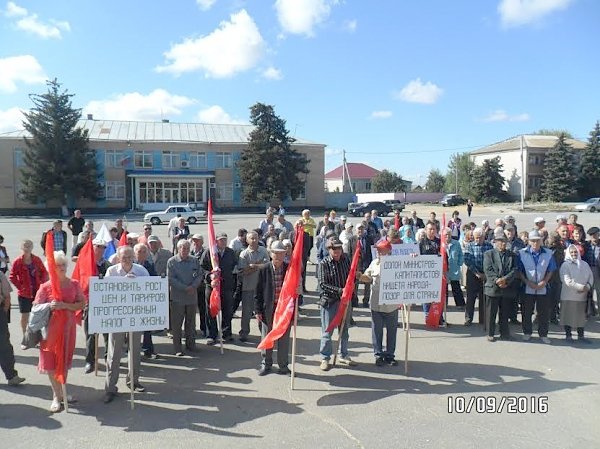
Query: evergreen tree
column 435, row 181
column 270, row 169
column 465, row 170
column 559, row 178
column 589, row 168
column 59, row 165
column 488, row 181
column 387, row 181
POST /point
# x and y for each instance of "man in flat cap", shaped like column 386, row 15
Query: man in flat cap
column 592, row 257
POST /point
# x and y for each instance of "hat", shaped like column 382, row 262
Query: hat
column 153, row 238
column 197, row 237
column 499, row 234
column 383, row 245
column 277, row 247
column 343, row 218
column 535, row 235
column 221, row 235
column 334, row 243
column 510, row 227
column 133, row 235
column 593, row 230
column 99, row 242
column 538, row 220
column 360, row 225
column 286, row 242
column 561, row 217
column 485, row 223
column 348, row 225
column 508, row 217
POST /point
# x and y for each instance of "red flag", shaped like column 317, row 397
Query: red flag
column 58, row 319
column 123, row 239
column 84, row 268
column 397, row 221
column 284, row 311
column 347, row 292
column 215, row 295
column 436, row 309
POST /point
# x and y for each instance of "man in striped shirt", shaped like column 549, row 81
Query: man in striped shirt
column 333, row 273
column 475, row 275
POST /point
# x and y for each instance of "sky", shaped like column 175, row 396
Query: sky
column 400, row 85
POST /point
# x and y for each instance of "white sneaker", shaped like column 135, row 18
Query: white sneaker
column 325, row 366
column 526, row 337
column 546, row 341
column 347, row 361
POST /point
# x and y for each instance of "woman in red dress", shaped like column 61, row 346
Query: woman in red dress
column 72, row 300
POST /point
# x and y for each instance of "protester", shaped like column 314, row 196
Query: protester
column 71, row 300
column 60, row 237
column 382, row 315
column 454, row 224
column 309, row 227
column 430, row 245
column 455, row 258
column 4, row 259
column 366, row 258
column 158, row 255
column 239, row 243
column 87, row 228
column 75, row 225
column 475, row 276
column 196, row 250
column 592, row 257
column 7, row 355
column 147, row 233
column 469, row 207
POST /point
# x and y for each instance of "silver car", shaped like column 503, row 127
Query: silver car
column 591, row 205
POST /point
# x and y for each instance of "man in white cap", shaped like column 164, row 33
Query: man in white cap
column 539, row 223
column 536, row 266
column 269, row 282
column 341, row 225
column 510, row 220
column 159, row 255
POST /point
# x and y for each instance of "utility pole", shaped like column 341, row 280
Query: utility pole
column 523, row 180
column 346, row 172
column 456, row 171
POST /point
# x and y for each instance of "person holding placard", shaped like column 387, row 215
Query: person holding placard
column 455, row 257
column 382, row 315
column 125, row 268
column 430, row 245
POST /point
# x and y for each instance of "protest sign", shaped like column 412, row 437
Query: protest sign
column 399, row 249
column 410, row 280
column 122, row 304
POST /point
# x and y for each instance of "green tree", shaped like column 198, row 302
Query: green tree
column 553, row 132
column 270, row 169
column 488, row 181
column 589, row 168
column 387, row 181
column 59, row 165
column 559, row 180
column 435, row 181
column 465, row 171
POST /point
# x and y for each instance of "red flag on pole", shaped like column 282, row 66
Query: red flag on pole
column 215, row 295
column 123, row 239
column 58, row 319
column 284, row 311
column 347, row 292
column 397, row 221
column 85, row 267
column 437, row 308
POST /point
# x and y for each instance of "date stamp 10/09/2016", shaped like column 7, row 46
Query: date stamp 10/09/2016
column 498, row 404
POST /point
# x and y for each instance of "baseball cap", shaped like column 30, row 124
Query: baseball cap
column 277, row 247
column 334, row 243
column 133, row 235
column 508, row 217
column 539, row 220
column 348, row 225
column 499, row 234
column 197, row 237
column 535, row 235
column 221, row 235
column 153, row 238
column 561, row 217
column 99, row 242
column 593, row 230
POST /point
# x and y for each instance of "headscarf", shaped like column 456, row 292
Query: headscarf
column 569, row 258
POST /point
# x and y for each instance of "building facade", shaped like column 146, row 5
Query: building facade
column 359, row 176
column 522, row 157
column 150, row 165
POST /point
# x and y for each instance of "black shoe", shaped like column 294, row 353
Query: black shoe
column 514, row 321
column 506, row 338
column 365, row 305
column 554, row 321
column 379, row 361
column 108, row 397
column 584, row 340
column 211, row 342
column 179, row 354
column 468, row 322
column 392, row 362
column 243, row 338
column 284, row 370
column 264, row 370
column 569, row 338
column 352, row 322
column 228, row 338
column 137, row 387
column 88, row 368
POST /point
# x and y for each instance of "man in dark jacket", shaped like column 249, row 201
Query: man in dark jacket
column 60, row 237
column 500, row 267
column 227, row 264
column 270, row 282
column 366, row 257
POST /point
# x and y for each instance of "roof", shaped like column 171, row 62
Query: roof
column 355, row 169
column 117, row 130
column 529, row 141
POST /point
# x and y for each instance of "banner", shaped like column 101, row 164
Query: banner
column 122, row 304
column 410, row 280
column 399, row 249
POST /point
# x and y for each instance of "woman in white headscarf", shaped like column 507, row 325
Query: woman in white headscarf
column 577, row 280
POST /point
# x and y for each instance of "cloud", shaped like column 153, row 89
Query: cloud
column 501, row 115
column 521, row 12
column 11, row 120
column 333, row 151
column 417, row 92
column 234, row 47
column 381, row 114
column 32, row 24
column 205, row 4
column 156, row 105
column 25, row 69
column 350, row 25
column 217, row 115
column 301, row 16
column 272, row 74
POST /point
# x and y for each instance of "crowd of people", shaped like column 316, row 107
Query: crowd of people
column 550, row 270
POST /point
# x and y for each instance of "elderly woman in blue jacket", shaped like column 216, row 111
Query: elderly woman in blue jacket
column 455, row 257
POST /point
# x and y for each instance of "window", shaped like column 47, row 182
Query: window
column 142, row 159
column 302, row 193
column 115, row 190
column 367, row 186
column 536, row 159
column 534, row 182
column 19, row 158
column 113, row 158
column 224, row 160
column 197, row 160
column 224, row 191
column 170, row 159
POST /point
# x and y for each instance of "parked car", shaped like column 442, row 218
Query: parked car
column 395, row 204
column 452, row 199
column 190, row 215
column 591, row 205
column 381, row 208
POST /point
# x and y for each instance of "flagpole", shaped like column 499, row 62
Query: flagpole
column 340, row 333
column 96, row 354
column 220, row 328
column 294, row 342
column 65, row 396
column 406, row 338
column 131, row 372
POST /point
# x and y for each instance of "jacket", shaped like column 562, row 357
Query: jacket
column 494, row 270
column 19, row 276
column 64, row 246
column 455, row 260
column 264, row 296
